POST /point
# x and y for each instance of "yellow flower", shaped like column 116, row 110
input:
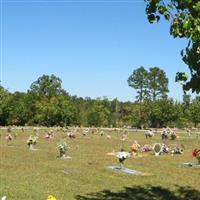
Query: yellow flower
column 50, row 197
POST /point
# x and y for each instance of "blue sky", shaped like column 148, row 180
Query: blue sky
column 93, row 46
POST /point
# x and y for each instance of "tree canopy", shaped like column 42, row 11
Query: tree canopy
column 150, row 85
column 138, row 81
column 57, row 108
column 184, row 19
column 157, row 83
column 47, row 86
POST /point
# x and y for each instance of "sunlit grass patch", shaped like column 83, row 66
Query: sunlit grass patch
column 31, row 175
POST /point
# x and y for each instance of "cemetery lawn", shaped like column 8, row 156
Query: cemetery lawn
column 33, row 175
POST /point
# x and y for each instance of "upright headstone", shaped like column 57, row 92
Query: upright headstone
column 157, row 149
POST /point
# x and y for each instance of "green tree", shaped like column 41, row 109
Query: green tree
column 99, row 114
column 186, row 104
column 47, row 86
column 5, row 100
column 164, row 112
column 195, row 111
column 186, row 100
column 127, row 113
column 18, row 114
column 184, row 19
column 115, row 112
column 138, row 81
column 83, row 108
column 50, row 104
column 157, row 83
column 142, row 113
column 56, row 111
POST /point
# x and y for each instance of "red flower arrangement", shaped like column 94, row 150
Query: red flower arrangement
column 196, row 154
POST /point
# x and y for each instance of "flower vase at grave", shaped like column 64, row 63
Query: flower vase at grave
column 63, row 156
column 31, row 146
column 121, row 166
column 31, row 141
column 122, row 156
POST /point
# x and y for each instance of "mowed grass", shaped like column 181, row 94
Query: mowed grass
column 33, row 175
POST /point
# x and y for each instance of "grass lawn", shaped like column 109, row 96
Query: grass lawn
column 33, row 175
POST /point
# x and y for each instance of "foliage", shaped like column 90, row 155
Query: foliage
column 47, row 86
column 150, row 85
column 99, row 114
column 184, row 19
column 157, row 83
column 164, row 112
column 194, row 110
column 57, row 108
column 54, row 111
column 138, row 81
column 18, row 114
column 5, row 100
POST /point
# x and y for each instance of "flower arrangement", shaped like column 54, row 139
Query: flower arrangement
column 49, row 135
column 134, row 147
column 146, row 148
column 178, row 149
column 122, row 156
column 31, row 141
column 9, row 138
column 51, row 197
column 196, row 154
column 165, row 148
column 173, row 135
column 62, row 147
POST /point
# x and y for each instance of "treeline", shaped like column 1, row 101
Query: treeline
column 47, row 104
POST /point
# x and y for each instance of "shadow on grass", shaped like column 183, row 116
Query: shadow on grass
column 145, row 193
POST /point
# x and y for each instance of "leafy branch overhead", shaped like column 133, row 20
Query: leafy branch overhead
column 184, row 19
